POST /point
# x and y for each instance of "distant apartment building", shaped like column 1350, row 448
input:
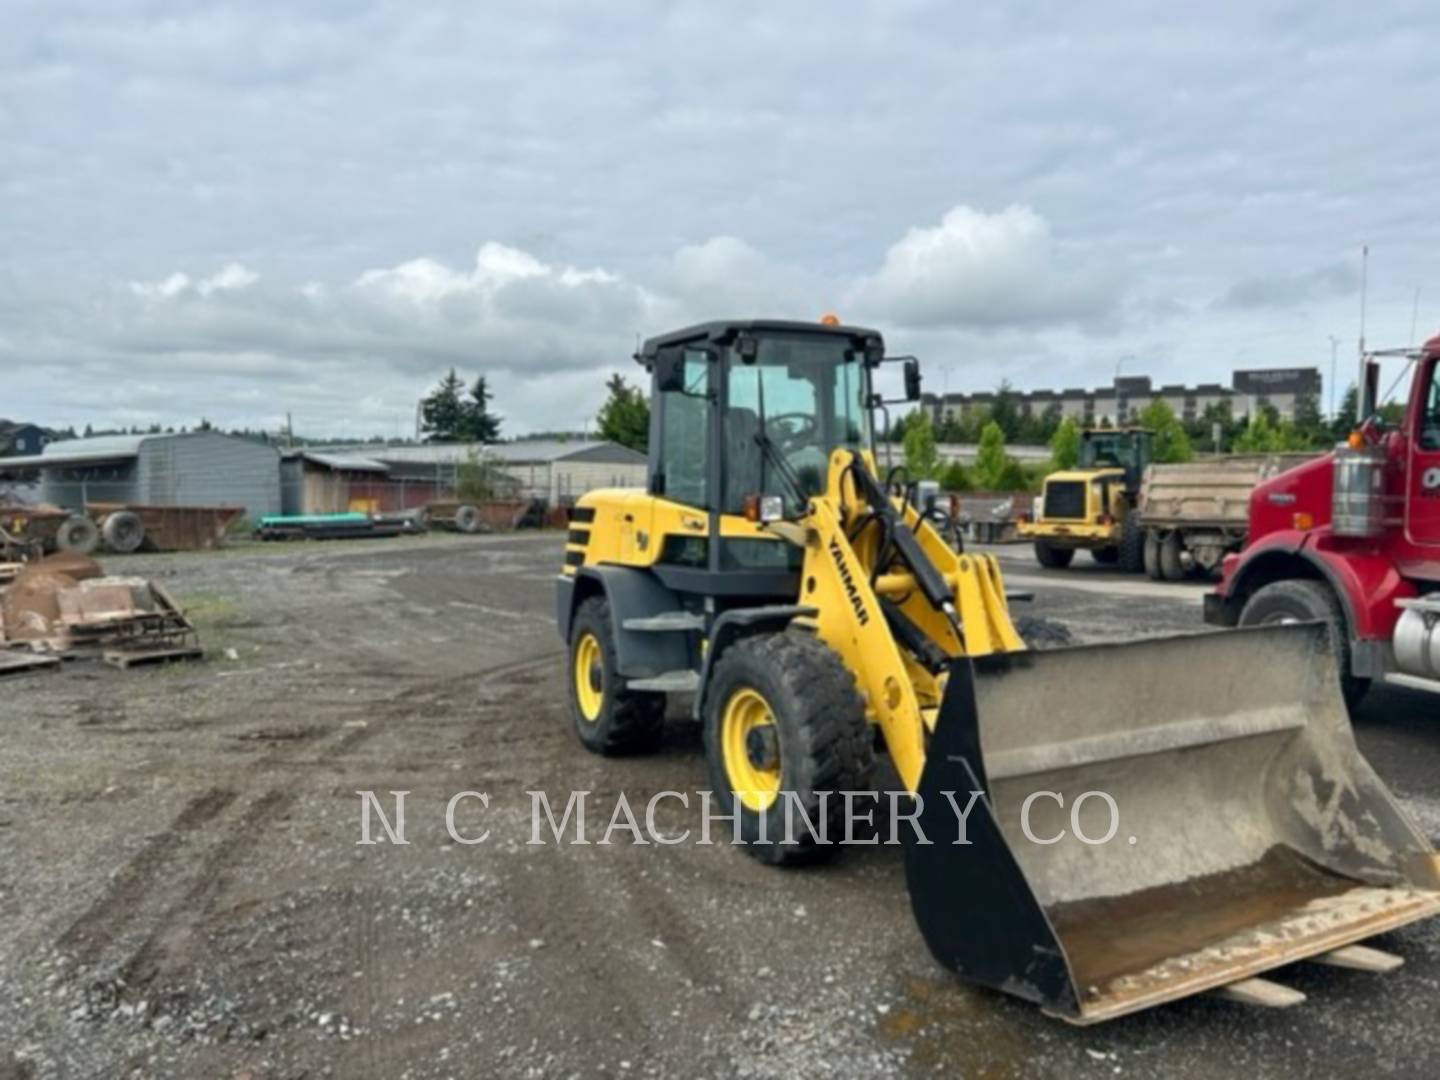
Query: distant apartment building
column 1120, row 402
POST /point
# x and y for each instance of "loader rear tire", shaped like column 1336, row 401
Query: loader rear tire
column 1132, row 543
column 609, row 718
column 1303, row 600
column 783, row 724
column 1052, row 557
column 1105, row 556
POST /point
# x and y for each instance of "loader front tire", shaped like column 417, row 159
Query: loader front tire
column 784, row 724
column 1052, row 557
column 609, row 718
column 1303, row 600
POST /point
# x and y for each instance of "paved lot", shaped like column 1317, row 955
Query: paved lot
column 182, row 894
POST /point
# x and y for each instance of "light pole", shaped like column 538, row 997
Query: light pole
column 1334, row 345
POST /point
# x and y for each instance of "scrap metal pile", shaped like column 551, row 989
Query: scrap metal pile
column 66, row 606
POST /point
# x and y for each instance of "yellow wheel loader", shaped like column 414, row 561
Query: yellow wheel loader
column 1109, row 827
column 1092, row 507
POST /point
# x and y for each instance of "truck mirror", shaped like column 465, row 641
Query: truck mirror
column 1369, row 399
column 912, row 380
column 669, row 371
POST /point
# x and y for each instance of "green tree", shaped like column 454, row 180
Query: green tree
column 991, row 459
column 1343, row 422
column 1171, row 442
column 475, row 478
column 921, row 460
column 625, row 416
column 1309, row 424
column 479, row 424
column 1065, row 444
column 442, row 412
column 956, row 477
column 1006, row 410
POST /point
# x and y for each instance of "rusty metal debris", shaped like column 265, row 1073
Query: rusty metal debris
column 65, row 605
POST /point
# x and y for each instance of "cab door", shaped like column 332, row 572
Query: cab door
column 1422, row 480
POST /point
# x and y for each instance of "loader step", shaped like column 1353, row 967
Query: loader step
column 667, row 622
column 671, row 682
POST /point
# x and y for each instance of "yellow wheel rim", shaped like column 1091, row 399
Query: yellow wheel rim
column 589, row 677
column 750, row 744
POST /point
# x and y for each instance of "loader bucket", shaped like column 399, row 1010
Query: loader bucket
column 1248, row 831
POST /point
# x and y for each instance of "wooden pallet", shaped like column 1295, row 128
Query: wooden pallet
column 13, row 663
column 159, row 654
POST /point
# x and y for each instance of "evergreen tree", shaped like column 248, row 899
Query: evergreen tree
column 442, row 413
column 1006, row 411
column 480, row 424
column 625, row 416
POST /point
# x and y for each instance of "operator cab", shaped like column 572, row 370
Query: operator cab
column 744, row 417
column 1125, row 448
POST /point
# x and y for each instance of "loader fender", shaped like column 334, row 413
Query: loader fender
column 632, row 594
column 735, row 624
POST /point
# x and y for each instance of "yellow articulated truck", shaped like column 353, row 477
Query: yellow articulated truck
column 1092, row 506
column 1137, row 829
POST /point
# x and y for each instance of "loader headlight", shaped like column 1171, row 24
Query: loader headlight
column 764, row 507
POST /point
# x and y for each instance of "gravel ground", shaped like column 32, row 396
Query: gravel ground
column 182, row 893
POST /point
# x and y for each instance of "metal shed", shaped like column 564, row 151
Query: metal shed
column 202, row 468
column 557, row 470
column 323, row 482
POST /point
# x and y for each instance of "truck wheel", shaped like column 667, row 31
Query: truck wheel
column 783, row 723
column 609, row 718
column 1308, row 601
column 467, row 518
column 1054, row 558
column 1171, row 566
column 1132, row 543
column 78, row 535
column 1152, row 555
column 124, row 532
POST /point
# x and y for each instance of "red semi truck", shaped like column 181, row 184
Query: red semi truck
column 1353, row 539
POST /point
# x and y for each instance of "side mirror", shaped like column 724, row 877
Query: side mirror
column 1370, row 392
column 912, row 380
column 669, row 371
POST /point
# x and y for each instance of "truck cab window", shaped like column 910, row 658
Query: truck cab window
column 1430, row 421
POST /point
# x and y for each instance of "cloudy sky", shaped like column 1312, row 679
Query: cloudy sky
column 318, row 206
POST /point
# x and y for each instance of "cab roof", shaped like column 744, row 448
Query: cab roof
column 721, row 331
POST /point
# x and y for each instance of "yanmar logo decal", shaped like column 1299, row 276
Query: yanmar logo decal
column 847, row 579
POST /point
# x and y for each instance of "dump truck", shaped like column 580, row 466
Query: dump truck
column 1194, row 513
column 1092, row 506
column 1174, row 834
column 1351, row 539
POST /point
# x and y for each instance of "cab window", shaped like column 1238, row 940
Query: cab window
column 684, row 431
column 1430, row 419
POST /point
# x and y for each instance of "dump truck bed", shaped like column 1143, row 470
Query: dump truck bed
column 1209, row 492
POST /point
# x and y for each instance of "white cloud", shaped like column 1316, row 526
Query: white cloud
column 977, row 269
column 233, row 277
column 164, row 289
